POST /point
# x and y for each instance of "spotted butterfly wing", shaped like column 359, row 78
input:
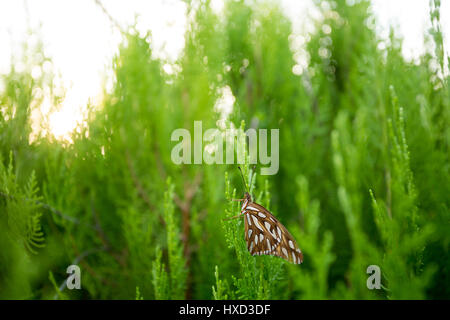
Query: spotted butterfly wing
column 265, row 235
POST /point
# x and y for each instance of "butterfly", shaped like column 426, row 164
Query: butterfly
column 264, row 234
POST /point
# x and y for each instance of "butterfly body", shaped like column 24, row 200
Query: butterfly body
column 265, row 235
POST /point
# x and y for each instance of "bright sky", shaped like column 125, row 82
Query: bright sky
column 81, row 40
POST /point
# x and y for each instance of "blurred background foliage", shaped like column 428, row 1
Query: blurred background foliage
column 363, row 179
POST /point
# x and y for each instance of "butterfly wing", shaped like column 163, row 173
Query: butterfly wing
column 264, row 234
column 258, row 237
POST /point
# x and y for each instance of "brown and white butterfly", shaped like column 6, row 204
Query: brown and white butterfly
column 264, row 234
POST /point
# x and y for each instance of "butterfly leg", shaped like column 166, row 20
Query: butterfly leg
column 236, row 199
column 235, row 217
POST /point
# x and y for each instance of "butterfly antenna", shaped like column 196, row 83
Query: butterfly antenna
column 243, row 180
column 253, row 175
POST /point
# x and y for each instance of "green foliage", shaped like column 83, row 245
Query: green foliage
column 22, row 208
column 219, row 292
column 312, row 282
column 160, row 279
column 59, row 294
column 138, row 294
column 176, row 262
column 363, row 178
